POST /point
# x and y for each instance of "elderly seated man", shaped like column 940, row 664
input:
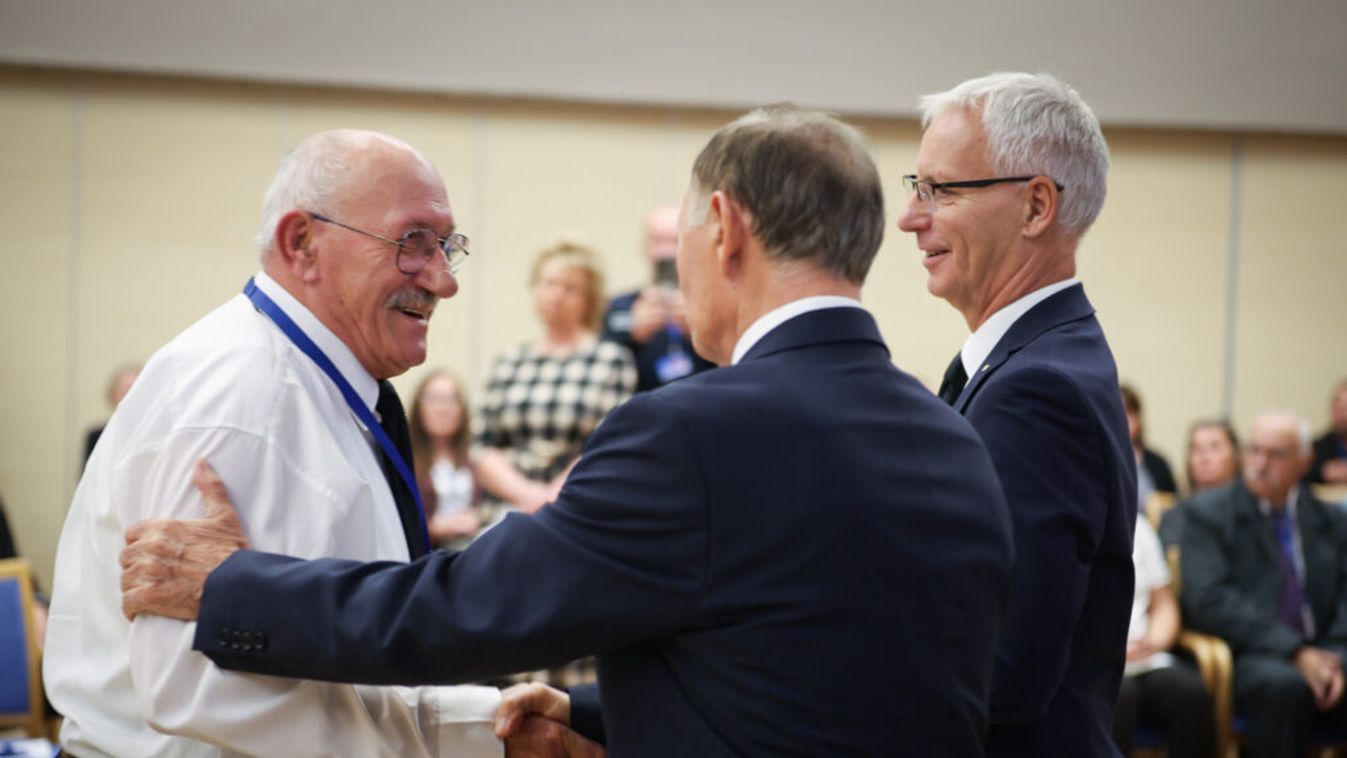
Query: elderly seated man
column 1263, row 568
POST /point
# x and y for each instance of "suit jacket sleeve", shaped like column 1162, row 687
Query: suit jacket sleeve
column 587, row 713
column 1212, row 600
column 618, row 557
column 1332, row 562
column 1047, row 448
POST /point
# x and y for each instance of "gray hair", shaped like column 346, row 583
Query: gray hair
column 808, row 181
column 311, row 176
column 1037, row 124
column 1304, row 432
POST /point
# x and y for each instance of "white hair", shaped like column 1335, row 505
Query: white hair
column 1304, row 432
column 311, row 176
column 1037, row 124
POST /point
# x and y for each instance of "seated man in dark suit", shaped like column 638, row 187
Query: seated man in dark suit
column 802, row 551
column 1263, row 568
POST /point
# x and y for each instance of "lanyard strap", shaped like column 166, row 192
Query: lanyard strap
column 301, row 340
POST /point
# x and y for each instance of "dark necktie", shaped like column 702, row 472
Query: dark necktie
column 954, row 381
column 1293, row 605
column 394, row 422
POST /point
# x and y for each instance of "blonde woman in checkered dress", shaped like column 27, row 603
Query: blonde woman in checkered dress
column 544, row 398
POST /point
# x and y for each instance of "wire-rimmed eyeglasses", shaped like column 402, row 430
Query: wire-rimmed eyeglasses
column 417, row 247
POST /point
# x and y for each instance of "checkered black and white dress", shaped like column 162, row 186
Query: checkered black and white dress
column 539, row 410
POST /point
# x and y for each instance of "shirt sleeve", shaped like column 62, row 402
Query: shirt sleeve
column 183, row 693
column 1149, row 558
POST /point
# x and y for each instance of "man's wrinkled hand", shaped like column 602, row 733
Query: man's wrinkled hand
column 1322, row 670
column 165, row 562
column 523, row 700
column 537, row 737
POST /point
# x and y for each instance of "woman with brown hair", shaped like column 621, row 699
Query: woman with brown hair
column 441, row 435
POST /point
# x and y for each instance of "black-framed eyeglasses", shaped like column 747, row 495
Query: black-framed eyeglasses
column 417, row 247
column 927, row 191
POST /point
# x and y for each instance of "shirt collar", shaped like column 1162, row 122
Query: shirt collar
column 981, row 342
column 1291, row 498
column 781, row 314
column 365, row 385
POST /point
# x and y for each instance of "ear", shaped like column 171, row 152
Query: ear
column 731, row 233
column 1042, row 203
column 295, row 245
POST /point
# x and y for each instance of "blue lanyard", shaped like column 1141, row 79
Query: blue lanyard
column 302, row 341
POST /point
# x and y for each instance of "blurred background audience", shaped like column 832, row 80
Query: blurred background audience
column 649, row 322
column 1330, row 449
column 1153, row 472
column 1263, row 569
column 441, row 433
column 544, row 397
column 1212, row 461
column 1159, row 688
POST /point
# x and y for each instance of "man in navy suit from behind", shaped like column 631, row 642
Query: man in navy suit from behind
column 800, row 552
column 1010, row 174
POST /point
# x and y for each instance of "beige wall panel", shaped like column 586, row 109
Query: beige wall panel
column 1154, row 265
column 1292, row 274
column 584, row 173
column 169, row 178
column 36, row 235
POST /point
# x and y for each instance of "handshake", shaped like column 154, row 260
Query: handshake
column 534, row 722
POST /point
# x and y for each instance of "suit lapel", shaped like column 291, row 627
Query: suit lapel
column 1311, row 525
column 1246, row 510
column 1060, row 308
column 818, row 327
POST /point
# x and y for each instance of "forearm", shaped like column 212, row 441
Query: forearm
column 499, row 477
column 1164, row 619
column 183, row 694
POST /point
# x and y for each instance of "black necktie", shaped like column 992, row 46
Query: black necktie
column 955, row 379
column 394, row 422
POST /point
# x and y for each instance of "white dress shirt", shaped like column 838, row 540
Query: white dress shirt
column 1152, row 573
column 300, row 467
column 980, row 343
column 781, row 314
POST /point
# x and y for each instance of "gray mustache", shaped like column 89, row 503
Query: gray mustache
column 417, row 300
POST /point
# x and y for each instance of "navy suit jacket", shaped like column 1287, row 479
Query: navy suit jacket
column 1047, row 405
column 804, row 553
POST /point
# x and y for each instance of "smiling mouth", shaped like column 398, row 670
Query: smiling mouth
column 423, row 315
column 934, row 253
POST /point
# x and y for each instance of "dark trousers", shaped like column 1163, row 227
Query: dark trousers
column 1174, row 699
column 1277, row 707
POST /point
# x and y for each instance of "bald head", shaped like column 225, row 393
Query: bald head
column 661, row 233
column 331, row 224
column 325, row 170
column 1277, row 456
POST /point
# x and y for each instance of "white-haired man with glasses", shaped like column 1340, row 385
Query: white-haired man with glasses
column 1011, row 172
column 283, row 389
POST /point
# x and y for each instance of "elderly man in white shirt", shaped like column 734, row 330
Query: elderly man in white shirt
column 277, row 388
